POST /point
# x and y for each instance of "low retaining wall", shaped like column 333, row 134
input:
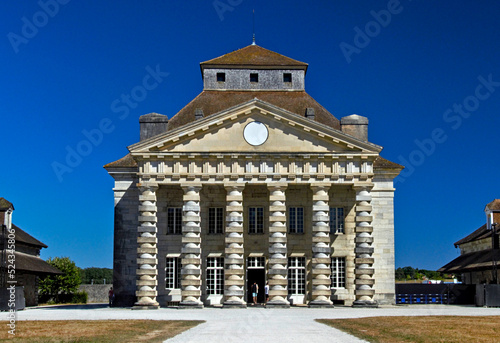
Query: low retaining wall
column 97, row 293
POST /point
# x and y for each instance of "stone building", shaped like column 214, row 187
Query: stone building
column 27, row 265
column 253, row 181
column 479, row 251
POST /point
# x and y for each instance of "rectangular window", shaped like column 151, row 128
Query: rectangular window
column 254, row 77
column 296, row 219
column 215, row 275
column 173, row 273
column 215, row 220
column 256, row 220
column 174, row 220
column 256, row 262
column 221, row 77
column 296, row 275
column 338, row 272
column 287, row 77
column 337, row 220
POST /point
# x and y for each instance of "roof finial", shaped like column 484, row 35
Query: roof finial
column 253, row 40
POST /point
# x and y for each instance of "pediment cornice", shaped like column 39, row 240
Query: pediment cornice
column 254, row 107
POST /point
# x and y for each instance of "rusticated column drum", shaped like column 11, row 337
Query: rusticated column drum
column 234, row 273
column 191, row 248
column 321, row 283
column 147, row 261
column 364, row 261
column 278, row 259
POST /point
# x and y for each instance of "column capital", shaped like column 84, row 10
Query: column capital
column 153, row 186
column 186, row 187
column 324, row 185
column 359, row 186
column 237, row 186
column 278, row 185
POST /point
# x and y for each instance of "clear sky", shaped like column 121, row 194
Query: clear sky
column 425, row 73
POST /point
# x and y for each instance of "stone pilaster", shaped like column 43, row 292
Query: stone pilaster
column 278, row 258
column 147, row 250
column 191, row 248
column 364, row 261
column 234, row 273
column 321, row 282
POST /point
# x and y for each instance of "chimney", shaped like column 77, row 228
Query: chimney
column 198, row 113
column 152, row 124
column 310, row 113
column 6, row 209
column 356, row 126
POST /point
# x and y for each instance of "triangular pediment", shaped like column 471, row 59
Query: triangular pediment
column 274, row 130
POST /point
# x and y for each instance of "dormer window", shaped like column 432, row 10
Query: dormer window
column 287, row 77
column 254, row 77
column 221, row 77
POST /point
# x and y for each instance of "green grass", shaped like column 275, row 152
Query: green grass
column 112, row 331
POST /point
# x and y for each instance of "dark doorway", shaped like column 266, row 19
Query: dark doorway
column 259, row 276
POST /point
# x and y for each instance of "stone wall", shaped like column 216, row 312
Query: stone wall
column 96, row 293
column 237, row 79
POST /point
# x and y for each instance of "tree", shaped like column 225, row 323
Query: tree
column 96, row 275
column 61, row 287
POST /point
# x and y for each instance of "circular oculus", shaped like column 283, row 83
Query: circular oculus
column 255, row 133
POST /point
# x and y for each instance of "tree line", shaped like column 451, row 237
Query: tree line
column 410, row 273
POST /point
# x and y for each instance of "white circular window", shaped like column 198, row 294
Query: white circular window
column 255, row 133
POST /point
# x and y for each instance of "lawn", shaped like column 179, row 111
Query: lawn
column 429, row 329
column 96, row 331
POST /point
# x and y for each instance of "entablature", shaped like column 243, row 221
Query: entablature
column 256, row 167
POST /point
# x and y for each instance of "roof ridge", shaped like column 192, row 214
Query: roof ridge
column 254, row 55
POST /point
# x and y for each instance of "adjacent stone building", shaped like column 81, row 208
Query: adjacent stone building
column 253, row 181
column 479, row 251
column 20, row 262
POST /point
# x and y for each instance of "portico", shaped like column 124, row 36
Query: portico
column 253, row 182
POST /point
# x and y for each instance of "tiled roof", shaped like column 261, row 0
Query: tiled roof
column 480, row 233
column 472, row 261
column 125, row 162
column 494, row 205
column 5, row 204
column 382, row 163
column 215, row 101
column 24, row 237
column 254, row 56
column 33, row 264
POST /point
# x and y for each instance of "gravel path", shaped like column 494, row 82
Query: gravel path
column 252, row 324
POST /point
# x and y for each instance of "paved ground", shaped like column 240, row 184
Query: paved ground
column 252, row 324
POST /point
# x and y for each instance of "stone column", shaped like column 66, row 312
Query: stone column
column 147, row 250
column 321, row 282
column 364, row 270
column 234, row 273
column 191, row 248
column 278, row 258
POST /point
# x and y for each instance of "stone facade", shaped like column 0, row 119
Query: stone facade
column 254, row 192
column 479, row 251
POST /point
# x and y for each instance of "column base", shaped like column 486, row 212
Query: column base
column 234, row 304
column 364, row 304
column 146, row 306
column 320, row 304
column 189, row 305
column 277, row 304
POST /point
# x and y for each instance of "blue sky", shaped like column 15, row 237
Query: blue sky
column 425, row 73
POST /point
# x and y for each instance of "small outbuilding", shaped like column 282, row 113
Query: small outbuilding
column 479, row 251
column 21, row 265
